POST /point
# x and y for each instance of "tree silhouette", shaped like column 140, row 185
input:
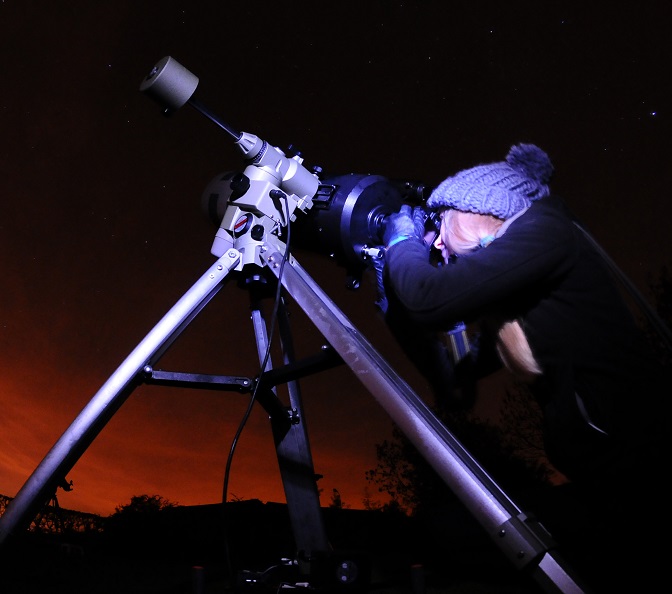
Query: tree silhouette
column 336, row 500
column 146, row 504
column 520, row 428
column 510, row 451
column 142, row 527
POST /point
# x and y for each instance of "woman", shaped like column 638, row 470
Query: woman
column 517, row 264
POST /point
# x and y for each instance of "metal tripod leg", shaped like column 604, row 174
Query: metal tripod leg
column 293, row 449
column 73, row 443
column 525, row 542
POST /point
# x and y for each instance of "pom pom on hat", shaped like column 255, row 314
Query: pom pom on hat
column 501, row 189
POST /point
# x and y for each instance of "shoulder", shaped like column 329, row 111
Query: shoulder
column 543, row 241
column 547, row 217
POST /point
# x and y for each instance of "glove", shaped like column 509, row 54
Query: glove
column 424, row 222
column 399, row 226
column 405, row 224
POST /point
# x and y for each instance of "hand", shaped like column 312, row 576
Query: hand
column 422, row 227
column 399, row 226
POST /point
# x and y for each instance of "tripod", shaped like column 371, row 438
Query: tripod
column 248, row 242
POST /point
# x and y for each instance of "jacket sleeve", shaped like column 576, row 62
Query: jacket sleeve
column 536, row 248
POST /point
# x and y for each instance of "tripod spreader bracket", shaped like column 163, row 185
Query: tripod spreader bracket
column 228, row 383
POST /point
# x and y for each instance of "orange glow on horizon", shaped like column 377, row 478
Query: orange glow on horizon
column 175, row 443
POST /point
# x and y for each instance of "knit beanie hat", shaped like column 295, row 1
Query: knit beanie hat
column 501, row 189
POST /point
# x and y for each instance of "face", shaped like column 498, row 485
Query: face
column 441, row 241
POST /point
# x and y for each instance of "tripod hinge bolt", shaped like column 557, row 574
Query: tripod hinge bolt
column 294, row 417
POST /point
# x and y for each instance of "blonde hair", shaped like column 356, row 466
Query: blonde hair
column 466, row 230
column 515, row 352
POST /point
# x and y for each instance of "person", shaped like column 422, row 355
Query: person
column 515, row 262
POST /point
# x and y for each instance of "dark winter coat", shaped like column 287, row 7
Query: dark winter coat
column 598, row 370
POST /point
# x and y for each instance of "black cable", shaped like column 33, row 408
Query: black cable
column 253, row 398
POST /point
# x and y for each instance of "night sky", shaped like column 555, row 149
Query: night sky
column 101, row 229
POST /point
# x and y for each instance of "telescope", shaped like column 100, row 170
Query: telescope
column 341, row 216
column 256, row 211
